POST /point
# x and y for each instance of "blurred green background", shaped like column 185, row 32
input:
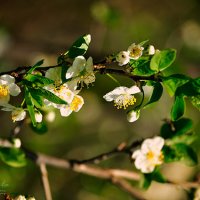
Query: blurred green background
column 32, row 30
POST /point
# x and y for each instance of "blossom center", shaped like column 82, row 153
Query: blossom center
column 124, row 100
column 75, row 104
column 135, row 52
column 3, row 91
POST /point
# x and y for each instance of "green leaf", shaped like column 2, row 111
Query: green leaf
column 178, row 108
column 180, row 152
column 39, row 80
column 38, row 64
column 191, row 88
column 162, row 59
column 79, row 47
column 174, row 81
column 37, row 100
column 195, row 100
column 148, row 178
column 176, row 128
column 40, row 128
column 48, row 95
column 13, row 157
column 30, row 106
column 157, row 93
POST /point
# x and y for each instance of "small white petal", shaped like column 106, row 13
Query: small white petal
column 151, row 50
column 8, row 79
column 18, row 115
column 133, row 90
column 70, row 73
column 89, row 65
column 14, row 89
column 110, row 96
column 50, row 117
column 17, row 143
column 65, row 111
column 38, row 117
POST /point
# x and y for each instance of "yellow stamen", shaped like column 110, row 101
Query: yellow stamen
column 150, row 155
column 124, row 100
column 3, row 91
column 76, row 102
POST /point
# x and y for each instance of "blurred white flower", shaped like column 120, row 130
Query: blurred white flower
column 50, row 116
column 30, row 198
column 150, row 154
column 123, row 58
column 75, row 105
column 17, row 142
column 17, row 114
column 38, row 117
column 7, row 88
column 133, row 115
column 20, row 197
column 122, row 96
column 81, row 71
column 151, row 50
column 135, row 51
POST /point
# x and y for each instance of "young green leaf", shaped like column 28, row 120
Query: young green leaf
column 157, row 93
column 40, row 128
column 13, row 157
column 162, row 59
column 48, row 95
column 39, row 80
column 174, row 81
column 79, row 47
column 178, row 108
column 38, row 64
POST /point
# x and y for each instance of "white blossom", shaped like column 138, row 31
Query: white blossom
column 17, row 113
column 150, row 154
column 38, row 117
column 50, row 116
column 133, row 115
column 123, row 58
column 20, row 197
column 135, row 51
column 7, row 88
column 81, row 71
column 75, row 105
column 122, row 96
column 17, row 143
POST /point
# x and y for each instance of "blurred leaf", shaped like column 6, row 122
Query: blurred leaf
column 13, row 156
column 79, row 47
column 178, row 108
column 176, row 128
column 38, row 64
column 180, row 152
column 157, row 93
column 195, row 100
column 154, row 176
column 40, row 128
column 174, row 81
column 162, row 59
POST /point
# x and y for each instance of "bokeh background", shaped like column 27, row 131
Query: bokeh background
column 31, row 30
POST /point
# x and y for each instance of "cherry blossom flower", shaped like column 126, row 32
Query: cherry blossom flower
column 7, row 88
column 150, row 155
column 135, row 51
column 81, row 71
column 123, row 58
column 122, row 96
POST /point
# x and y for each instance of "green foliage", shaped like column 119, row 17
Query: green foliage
column 156, row 94
column 38, row 64
column 162, row 59
column 13, row 157
column 79, row 47
column 180, row 152
column 176, row 128
column 40, row 128
column 154, row 176
column 178, row 108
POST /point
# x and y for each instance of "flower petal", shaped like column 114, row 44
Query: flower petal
column 110, row 96
column 8, row 79
column 89, row 65
column 65, row 111
column 14, row 89
column 133, row 90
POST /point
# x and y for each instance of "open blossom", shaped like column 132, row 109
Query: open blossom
column 135, row 51
column 81, row 71
column 123, row 58
column 122, row 96
column 150, row 155
column 133, row 115
column 7, row 88
column 17, row 114
column 151, row 50
column 75, row 105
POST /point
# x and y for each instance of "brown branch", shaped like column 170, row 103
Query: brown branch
column 45, row 181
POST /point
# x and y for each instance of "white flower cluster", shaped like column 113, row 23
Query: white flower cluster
column 150, row 155
column 21, row 197
column 134, row 52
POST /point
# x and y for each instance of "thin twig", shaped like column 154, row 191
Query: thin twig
column 45, row 181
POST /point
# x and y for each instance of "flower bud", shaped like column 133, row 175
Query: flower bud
column 123, row 58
